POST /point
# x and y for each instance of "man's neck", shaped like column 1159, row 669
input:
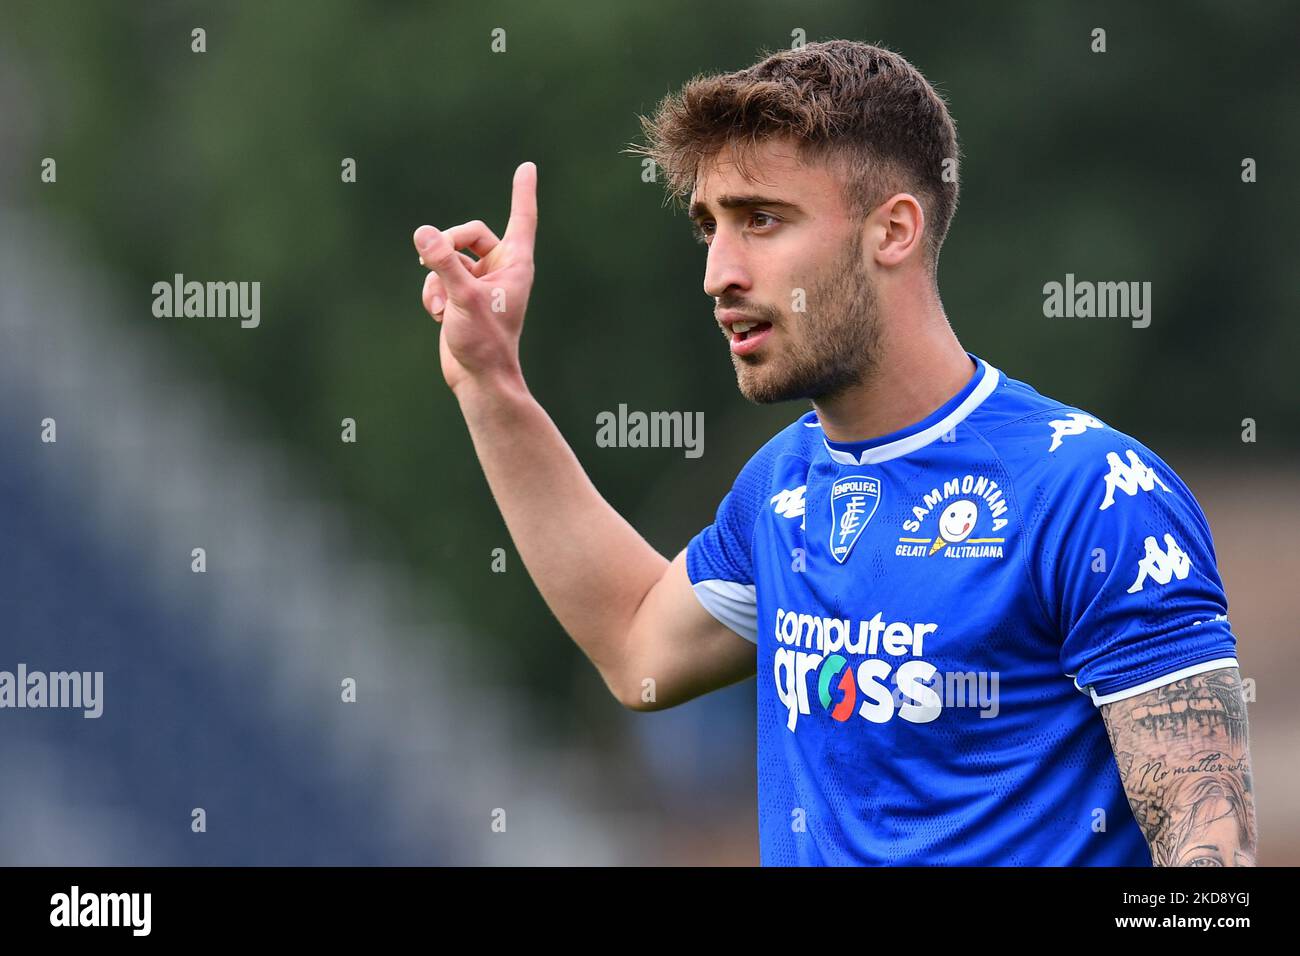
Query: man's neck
column 916, row 373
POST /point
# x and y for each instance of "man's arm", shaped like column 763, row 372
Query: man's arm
column 1184, row 758
column 633, row 613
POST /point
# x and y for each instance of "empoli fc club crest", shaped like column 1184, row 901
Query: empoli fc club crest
column 853, row 501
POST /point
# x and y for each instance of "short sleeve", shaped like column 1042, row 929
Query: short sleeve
column 719, row 560
column 1128, row 570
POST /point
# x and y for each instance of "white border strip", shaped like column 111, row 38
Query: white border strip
column 905, row 446
column 1155, row 682
column 732, row 603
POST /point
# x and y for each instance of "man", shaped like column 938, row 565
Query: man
column 979, row 618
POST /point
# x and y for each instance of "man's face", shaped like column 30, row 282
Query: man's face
column 784, row 253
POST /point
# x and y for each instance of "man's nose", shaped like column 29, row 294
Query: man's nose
column 725, row 268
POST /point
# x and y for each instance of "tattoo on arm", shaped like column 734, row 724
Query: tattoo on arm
column 1184, row 758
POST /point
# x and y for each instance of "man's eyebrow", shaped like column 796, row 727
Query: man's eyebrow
column 699, row 208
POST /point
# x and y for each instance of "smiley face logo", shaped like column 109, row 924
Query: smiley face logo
column 958, row 521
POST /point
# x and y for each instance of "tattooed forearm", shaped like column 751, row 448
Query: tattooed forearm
column 1184, row 758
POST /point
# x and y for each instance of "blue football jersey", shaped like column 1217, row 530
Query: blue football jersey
column 938, row 613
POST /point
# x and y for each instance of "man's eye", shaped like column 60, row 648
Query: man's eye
column 704, row 231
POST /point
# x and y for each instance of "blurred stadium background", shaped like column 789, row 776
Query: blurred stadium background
column 372, row 560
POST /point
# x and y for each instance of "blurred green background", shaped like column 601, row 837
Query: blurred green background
column 226, row 165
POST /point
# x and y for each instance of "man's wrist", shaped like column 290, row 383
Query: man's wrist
column 490, row 394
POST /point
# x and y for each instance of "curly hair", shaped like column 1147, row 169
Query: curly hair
column 861, row 109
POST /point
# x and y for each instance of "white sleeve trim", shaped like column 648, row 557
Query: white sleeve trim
column 732, row 603
column 1155, row 682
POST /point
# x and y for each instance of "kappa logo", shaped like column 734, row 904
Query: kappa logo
column 853, row 503
column 1161, row 566
column 791, row 503
column 1075, row 423
column 1131, row 478
column 957, row 521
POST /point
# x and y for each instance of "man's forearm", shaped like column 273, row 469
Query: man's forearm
column 1184, row 758
column 590, row 565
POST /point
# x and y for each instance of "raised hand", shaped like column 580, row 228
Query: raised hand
column 481, row 303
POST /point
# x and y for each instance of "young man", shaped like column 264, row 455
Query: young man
column 979, row 618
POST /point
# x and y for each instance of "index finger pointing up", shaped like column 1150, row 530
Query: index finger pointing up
column 523, row 207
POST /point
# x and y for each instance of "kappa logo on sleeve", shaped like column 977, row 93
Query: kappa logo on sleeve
column 1129, row 478
column 853, row 503
column 790, row 503
column 1075, row 423
column 1161, row 566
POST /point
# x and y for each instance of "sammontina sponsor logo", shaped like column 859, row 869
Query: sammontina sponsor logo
column 961, row 518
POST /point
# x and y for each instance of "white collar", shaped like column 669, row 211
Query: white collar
column 910, row 443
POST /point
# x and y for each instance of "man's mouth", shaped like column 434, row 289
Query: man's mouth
column 744, row 334
column 741, row 330
column 747, row 337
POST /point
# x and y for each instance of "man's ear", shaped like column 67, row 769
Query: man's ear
column 896, row 230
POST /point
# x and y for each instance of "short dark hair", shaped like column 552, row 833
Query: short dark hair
column 862, row 109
